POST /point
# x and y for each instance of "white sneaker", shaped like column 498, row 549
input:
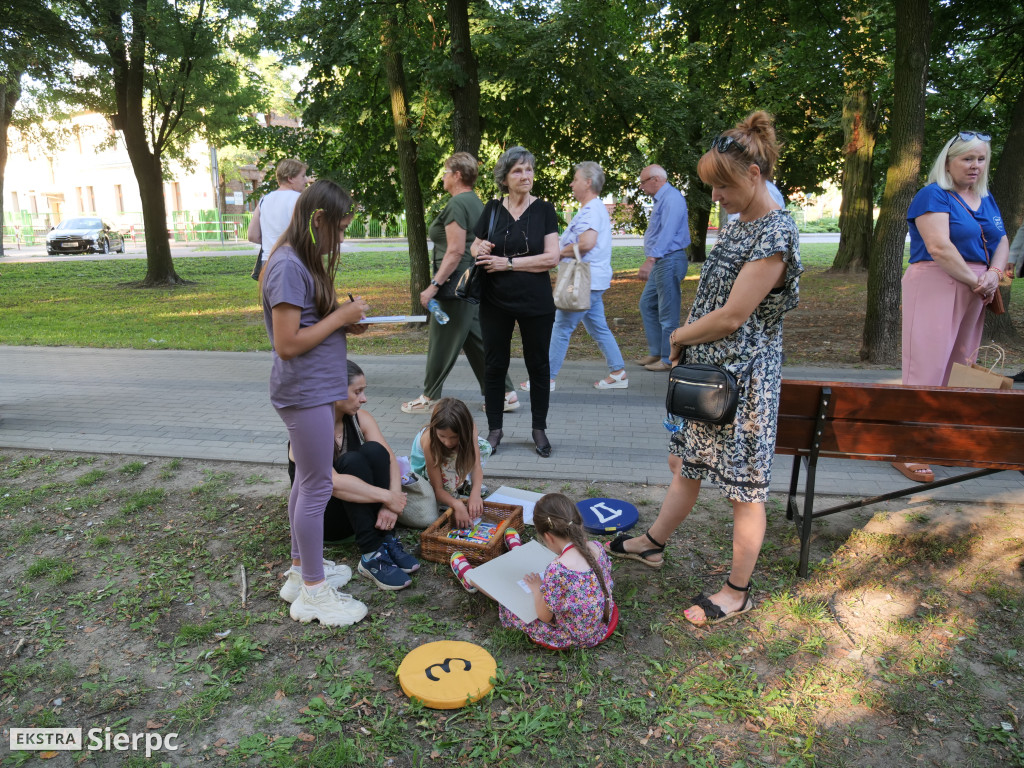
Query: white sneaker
column 328, row 606
column 337, row 576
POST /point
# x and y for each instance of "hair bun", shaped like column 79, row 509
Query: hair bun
column 760, row 124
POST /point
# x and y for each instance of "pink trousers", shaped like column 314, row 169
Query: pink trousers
column 942, row 323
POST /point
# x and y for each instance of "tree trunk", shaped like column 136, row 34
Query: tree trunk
column 882, row 321
column 699, row 216
column 1008, row 191
column 129, row 87
column 419, row 273
column 1006, row 186
column 8, row 98
column 159, row 265
column 465, row 85
column 855, row 211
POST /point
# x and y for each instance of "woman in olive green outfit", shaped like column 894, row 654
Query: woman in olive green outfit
column 451, row 259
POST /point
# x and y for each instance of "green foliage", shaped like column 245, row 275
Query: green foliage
column 194, row 79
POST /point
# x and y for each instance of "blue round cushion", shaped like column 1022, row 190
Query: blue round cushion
column 607, row 516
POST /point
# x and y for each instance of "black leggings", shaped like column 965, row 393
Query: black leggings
column 496, row 326
column 371, row 463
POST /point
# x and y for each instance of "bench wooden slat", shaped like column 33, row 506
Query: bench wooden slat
column 888, row 402
column 962, row 446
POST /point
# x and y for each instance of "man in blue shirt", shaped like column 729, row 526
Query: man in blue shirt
column 665, row 242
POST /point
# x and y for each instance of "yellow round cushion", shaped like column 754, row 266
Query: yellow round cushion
column 447, row 674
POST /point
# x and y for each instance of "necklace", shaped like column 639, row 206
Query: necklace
column 513, row 214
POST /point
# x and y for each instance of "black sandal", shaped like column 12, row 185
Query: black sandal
column 713, row 614
column 617, row 548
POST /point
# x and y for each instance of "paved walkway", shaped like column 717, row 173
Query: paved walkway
column 214, row 405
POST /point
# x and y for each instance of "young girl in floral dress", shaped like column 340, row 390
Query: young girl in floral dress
column 574, row 598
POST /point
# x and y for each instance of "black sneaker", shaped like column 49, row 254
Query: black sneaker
column 399, row 556
column 1019, row 376
column 381, row 571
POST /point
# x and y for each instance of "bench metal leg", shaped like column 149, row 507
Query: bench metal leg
column 794, row 488
column 807, row 517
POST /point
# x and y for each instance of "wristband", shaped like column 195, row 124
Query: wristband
column 434, row 283
column 997, row 270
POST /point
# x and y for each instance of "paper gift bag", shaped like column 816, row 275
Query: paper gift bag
column 977, row 376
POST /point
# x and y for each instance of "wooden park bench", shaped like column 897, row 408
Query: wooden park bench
column 980, row 428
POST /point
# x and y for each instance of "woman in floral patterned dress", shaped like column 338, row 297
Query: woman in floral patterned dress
column 748, row 283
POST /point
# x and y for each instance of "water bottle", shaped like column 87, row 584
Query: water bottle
column 672, row 423
column 435, row 309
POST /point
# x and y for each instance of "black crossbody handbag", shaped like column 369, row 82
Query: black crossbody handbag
column 701, row 392
column 468, row 287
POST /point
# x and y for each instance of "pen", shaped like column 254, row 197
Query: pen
column 351, row 297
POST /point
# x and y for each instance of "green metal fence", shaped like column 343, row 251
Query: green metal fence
column 24, row 228
column 208, row 225
column 366, row 226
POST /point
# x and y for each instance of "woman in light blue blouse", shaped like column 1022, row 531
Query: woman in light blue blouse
column 958, row 252
column 591, row 230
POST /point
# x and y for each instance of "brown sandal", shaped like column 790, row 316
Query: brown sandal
column 919, row 473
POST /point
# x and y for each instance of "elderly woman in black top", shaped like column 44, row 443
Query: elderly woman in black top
column 516, row 245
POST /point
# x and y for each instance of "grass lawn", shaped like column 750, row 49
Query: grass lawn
column 91, row 304
column 122, row 606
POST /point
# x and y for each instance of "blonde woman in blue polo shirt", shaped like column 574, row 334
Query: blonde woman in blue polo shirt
column 958, row 252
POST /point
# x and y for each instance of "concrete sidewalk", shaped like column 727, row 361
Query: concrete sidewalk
column 214, row 405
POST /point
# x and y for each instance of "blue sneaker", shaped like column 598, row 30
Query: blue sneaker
column 399, row 556
column 379, row 568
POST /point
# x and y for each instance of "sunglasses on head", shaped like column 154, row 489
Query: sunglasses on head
column 724, row 143
column 968, row 135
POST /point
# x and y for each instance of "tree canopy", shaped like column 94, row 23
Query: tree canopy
column 391, row 87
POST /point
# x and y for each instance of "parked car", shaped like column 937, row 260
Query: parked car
column 83, row 234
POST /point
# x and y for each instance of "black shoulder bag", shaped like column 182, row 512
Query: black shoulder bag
column 700, row 392
column 468, row 288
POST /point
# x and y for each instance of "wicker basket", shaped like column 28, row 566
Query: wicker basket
column 438, row 548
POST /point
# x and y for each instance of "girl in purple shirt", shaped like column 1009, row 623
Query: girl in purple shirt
column 307, row 328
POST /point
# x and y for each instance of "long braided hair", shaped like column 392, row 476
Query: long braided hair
column 556, row 514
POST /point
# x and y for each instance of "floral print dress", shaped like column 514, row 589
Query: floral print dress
column 737, row 457
column 576, row 599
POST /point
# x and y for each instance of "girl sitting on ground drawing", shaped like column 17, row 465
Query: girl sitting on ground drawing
column 574, row 597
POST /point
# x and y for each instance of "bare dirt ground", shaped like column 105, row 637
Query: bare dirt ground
column 122, row 607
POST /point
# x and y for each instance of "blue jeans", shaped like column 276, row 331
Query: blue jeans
column 597, row 326
column 660, row 302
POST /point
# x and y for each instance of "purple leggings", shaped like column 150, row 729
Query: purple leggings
column 311, row 431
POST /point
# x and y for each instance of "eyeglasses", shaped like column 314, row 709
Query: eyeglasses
column 968, row 135
column 724, row 143
column 516, row 244
column 644, row 181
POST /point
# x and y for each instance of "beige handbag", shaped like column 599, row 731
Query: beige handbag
column 572, row 288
